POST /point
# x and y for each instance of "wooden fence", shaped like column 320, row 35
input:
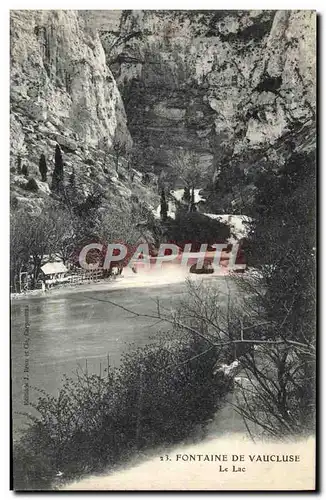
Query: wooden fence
column 23, row 284
column 86, row 277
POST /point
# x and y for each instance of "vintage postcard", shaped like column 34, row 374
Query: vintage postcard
column 163, row 249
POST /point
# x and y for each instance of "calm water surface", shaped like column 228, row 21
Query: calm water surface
column 66, row 330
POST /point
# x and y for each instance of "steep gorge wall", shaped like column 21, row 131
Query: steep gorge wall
column 215, row 82
column 59, row 77
column 62, row 91
column 218, row 83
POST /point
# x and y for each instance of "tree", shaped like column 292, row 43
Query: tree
column 197, row 229
column 24, row 170
column 57, row 177
column 32, row 237
column 72, row 194
column 282, row 246
column 67, row 234
column 31, row 185
column 192, row 206
column 273, row 399
column 119, row 149
column 186, row 195
column 188, row 168
column 146, row 178
column 72, row 179
column 19, row 246
column 43, row 167
column 22, row 154
column 19, row 163
column 164, row 207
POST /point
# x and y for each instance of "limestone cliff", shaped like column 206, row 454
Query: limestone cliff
column 221, row 84
column 62, row 91
column 59, row 77
column 217, row 82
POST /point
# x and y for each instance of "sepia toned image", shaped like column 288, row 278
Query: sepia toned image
column 163, row 250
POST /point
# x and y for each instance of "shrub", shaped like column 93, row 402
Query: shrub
column 186, row 195
column 155, row 398
column 31, row 185
column 164, row 206
column 24, row 170
column 196, row 228
column 57, row 176
column 43, row 167
column 89, row 162
column 282, row 247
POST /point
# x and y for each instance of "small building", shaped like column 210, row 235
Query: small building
column 54, row 272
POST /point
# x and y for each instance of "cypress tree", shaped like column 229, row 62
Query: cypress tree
column 43, row 167
column 164, row 206
column 19, row 164
column 25, row 170
column 57, row 177
column 193, row 207
column 186, row 194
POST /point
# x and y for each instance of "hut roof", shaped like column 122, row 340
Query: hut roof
column 54, row 268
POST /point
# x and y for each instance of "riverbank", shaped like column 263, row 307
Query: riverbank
column 168, row 276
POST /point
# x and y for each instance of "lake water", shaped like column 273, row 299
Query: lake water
column 68, row 329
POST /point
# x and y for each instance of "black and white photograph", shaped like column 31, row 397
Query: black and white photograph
column 163, row 244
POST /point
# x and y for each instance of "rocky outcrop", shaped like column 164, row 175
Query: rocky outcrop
column 216, row 82
column 62, row 91
column 60, row 79
column 220, row 84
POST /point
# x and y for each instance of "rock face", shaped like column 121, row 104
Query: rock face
column 60, row 79
column 62, row 91
column 216, row 82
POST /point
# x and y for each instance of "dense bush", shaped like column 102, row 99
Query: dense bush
column 282, row 247
column 31, row 185
column 43, row 167
column 196, row 228
column 58, row 175
column 158, row 396
column 24, row 170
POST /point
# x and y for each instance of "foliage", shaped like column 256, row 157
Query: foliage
column 284, row 237
column 187, row 167
column 24, row 170
column 33, row 236
column 43, row 167
column 19, row 163
column 282, row 249
column 120, row 151
column 57, row 177
column 186, row 195
column 158, row 397
column 164, row 207
column 196, row 228
column 31, row 185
